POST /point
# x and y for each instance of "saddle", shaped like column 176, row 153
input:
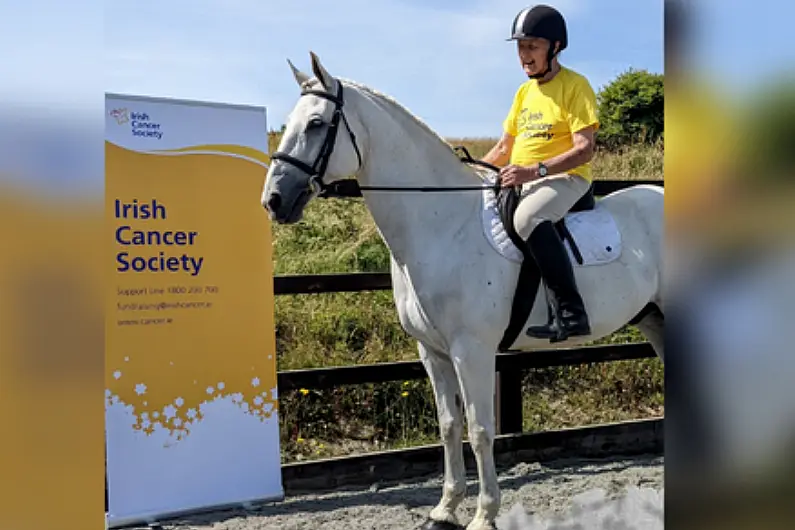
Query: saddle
column 529, row 274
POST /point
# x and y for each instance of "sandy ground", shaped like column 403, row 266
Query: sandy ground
column 535, row 496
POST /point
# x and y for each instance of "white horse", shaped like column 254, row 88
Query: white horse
column 453, row 283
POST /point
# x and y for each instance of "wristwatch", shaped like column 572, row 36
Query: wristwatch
column 542, row 170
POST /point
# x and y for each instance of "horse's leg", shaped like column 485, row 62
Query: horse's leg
column 653, row 328
column 474, row 364
column 451, row 424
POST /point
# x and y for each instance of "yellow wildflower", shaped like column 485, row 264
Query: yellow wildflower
column 304, row 391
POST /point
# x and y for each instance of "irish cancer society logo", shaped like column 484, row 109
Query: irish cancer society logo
column 140, row 123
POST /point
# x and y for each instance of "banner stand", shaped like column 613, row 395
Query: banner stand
column 163, row 518
column 190, row 356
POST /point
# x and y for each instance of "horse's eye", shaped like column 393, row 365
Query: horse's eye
column 314, row 122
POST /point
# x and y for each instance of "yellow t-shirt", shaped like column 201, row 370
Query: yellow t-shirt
column 544, row 117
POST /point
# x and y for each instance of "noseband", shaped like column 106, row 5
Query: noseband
column 351, row 187
column 317, row 170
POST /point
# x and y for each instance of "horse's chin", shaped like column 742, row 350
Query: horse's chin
column 296, row 213
column 293, row 218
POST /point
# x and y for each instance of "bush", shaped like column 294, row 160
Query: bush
column 631, row 110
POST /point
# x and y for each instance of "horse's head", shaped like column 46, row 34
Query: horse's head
column 318, row 146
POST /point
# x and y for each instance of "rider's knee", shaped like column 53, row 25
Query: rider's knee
column 525, row 225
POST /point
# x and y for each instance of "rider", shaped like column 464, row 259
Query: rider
column 548, row 142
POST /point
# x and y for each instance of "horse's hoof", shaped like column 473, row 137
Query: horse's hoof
column 430, row 524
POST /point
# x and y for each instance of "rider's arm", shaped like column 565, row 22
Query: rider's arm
column 581, row 153
column 500, row 154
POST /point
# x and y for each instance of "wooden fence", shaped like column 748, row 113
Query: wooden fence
column 510, row 367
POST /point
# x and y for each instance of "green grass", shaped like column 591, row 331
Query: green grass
column 360, row 328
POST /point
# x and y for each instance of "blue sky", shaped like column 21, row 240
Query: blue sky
column 446, row 60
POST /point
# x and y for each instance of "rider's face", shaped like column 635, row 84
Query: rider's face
column 533, row 54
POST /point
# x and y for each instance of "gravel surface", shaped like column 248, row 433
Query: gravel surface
column 545, row 491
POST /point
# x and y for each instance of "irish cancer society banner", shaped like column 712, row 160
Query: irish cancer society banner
column 191, row 402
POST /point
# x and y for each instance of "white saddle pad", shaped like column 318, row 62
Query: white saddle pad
column 594, row 231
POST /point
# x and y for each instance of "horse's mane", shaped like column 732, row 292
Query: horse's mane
column 314, row 83
column 399, row 106
column 386, row 98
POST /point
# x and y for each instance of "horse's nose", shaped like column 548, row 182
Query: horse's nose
column 274, row 201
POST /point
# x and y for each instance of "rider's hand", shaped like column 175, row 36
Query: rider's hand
column 513, row 175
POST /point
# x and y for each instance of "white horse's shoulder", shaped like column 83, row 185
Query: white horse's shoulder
column 411, row 315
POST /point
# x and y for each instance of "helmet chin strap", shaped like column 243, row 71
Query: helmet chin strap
column 550, row 55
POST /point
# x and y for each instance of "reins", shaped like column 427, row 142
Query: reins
column 352, row 188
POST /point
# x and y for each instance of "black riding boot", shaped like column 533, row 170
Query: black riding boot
column 568, row 312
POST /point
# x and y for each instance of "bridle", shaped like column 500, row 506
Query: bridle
column 351, row 187
column 317, row 170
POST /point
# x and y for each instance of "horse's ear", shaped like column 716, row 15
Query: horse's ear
column 300, row 77
column 320, row 72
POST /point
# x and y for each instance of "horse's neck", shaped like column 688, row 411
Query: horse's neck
column 402, row 153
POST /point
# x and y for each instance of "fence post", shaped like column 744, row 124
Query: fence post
column 508, row 402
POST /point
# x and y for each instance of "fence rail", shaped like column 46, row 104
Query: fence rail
column 510, row 366
column 627, row 438
column 331, row 377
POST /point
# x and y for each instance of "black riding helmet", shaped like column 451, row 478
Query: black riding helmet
column 541, row 21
